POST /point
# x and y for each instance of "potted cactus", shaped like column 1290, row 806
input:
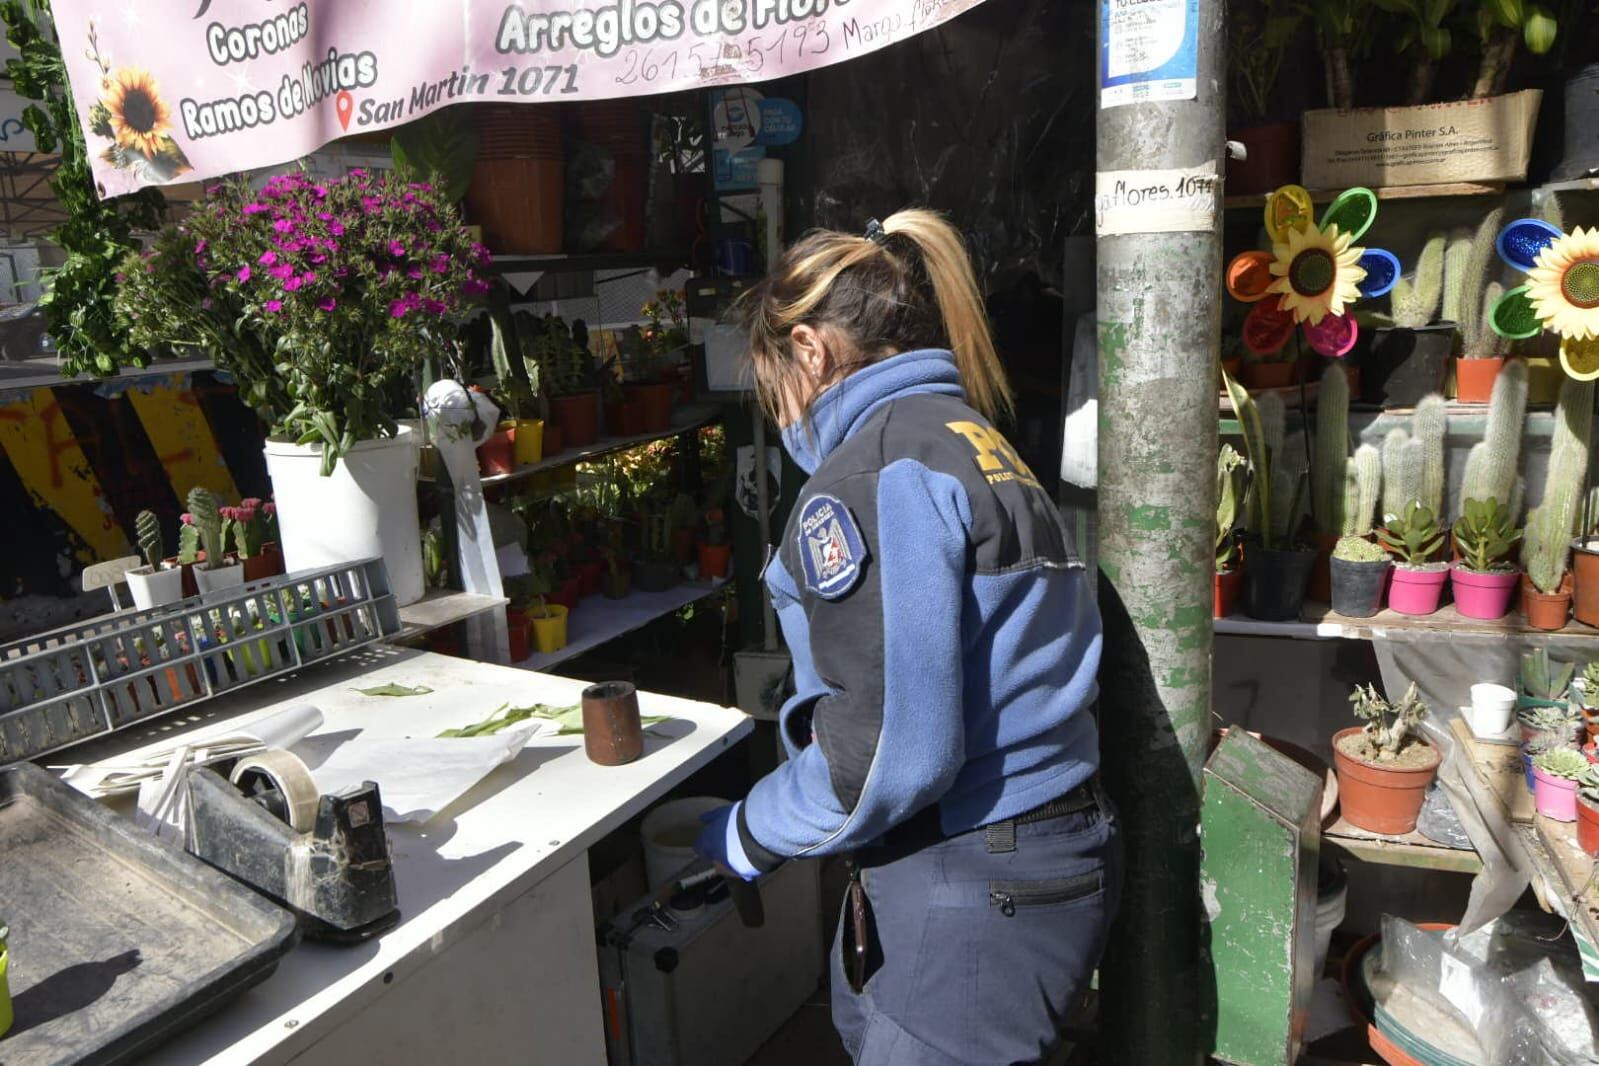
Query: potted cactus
column 1384, row 767
column 1469, row 299
column 1414, row 539
column 1484, row 580
column 1588, row 811
column 661, row 343
column 656, row 569
column 1555, row 774
column 1277, row 566
column 155, row 583
column 1232, row 487
column 249, row 528
column 212, row 571
column 1560, row 723
column 1491, row 465
column 1359, row 572
column 1408, row 358
column 1344, row 489
column 715, row 553
column 1585, row 698
column 1546, row 587
column 568, row 370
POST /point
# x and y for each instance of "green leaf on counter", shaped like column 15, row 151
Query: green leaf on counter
column 393, row 688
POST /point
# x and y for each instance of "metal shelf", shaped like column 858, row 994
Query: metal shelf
column 598, row 621
column 1318, row 622
column 688, row 418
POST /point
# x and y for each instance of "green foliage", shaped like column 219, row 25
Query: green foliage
column 1485, row 535
column 519, row 377
column 1459, row 293
column 1358, row 550
column 97, row 234
column 1362, row 486
column 1564, row 763
column 151, row 546
column 1259, row 34
column 1491, row 464
column 321, row 300
column 208, row 520
column 1479, row 292
column 565, row 365
column 1232, row 485
column 1543, row 678
column 1389, row 726
column 441, row 148
column 188, row 541
column 1415, row 298
column 1273, row 510
column 1413, row 536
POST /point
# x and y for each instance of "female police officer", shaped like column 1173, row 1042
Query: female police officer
column 945, row 646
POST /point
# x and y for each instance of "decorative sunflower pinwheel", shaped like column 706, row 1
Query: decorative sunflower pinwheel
column 1312, row 273
column 1561, row 294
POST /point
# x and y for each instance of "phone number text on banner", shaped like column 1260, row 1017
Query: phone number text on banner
column 182, row 90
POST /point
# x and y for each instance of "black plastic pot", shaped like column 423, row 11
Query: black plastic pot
column 1274, row 582
column 1403, row 365
column 1357, row 586
column 1581, row 155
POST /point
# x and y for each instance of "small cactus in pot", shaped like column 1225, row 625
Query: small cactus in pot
column 153, row 584
column 1485, row 580
column 1384, row 766
column 214, row 571
column 151, row 544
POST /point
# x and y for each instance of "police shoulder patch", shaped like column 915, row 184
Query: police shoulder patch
column 831, row 548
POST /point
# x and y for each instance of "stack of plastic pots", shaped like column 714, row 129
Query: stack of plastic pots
column 616, row 128
column 519, row 180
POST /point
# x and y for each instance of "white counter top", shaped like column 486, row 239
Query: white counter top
column 526, row 820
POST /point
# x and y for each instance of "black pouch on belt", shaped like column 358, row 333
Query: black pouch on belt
column 856, row 934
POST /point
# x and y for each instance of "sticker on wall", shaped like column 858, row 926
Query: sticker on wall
column 746, row 492
column 1148, row 51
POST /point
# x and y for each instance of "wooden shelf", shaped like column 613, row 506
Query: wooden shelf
column 440, row 608
column 1318, row 622
column 685, row 419
column 598, row 620
column 1394, row 192
column 1411, row 850
column 44, row 372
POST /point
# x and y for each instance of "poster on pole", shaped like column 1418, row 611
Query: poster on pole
column 183, row 90
column 1148, row 51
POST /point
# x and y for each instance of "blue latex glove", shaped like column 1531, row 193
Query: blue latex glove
column 720, row 843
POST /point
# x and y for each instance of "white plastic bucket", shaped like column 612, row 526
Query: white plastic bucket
column 1491, row 708
column 1329, row 916
column 669, row 832
column 365, row 508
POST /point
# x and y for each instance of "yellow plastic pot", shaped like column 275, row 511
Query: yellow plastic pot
column 529, row 441
column 5, row 991
column 549, row 627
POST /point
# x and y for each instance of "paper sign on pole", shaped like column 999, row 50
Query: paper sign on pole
column 1148, row 51
column 1156, row 201
column 181, row 90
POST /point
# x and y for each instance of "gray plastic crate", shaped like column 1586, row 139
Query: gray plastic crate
column 82, row 681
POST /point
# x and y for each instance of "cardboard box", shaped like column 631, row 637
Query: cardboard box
column 1463, row 141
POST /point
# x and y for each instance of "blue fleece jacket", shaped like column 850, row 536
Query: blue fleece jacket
column 944, row 639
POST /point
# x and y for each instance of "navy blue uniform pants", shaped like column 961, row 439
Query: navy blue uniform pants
column 975, row 957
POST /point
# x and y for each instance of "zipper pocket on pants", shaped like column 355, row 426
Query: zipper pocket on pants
column 1008, row 895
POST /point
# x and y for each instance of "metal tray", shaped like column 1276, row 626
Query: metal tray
column 118, row 940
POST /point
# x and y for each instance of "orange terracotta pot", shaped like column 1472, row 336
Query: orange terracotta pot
column 1587, row 825
column 1380, row 799
column 1276, row 374
column 1474, row 379
column 714, row 560
column 655, row 400
column 1543, row 610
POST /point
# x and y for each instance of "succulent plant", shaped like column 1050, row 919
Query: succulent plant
column 1491, row 463
column 1559, row 720
column 151, row 546
column 1232, row 486
column 1588, row 784
column 1358, row 550
column 1413, row 536
column 1563, row 762
column 1543, row 678
column 1485, row 535
column 1415, row 298
column 188, row 540
column 208, row 521
column 1389, row 726
column 1546, row 546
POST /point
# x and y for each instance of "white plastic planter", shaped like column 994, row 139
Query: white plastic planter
column 155, row 588
column 365, row 508
column 223, row 577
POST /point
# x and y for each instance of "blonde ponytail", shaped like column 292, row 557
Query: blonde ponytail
column 907, row 286
column 949, row 269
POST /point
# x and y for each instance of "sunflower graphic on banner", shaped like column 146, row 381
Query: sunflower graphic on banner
column 131, row 114
column 1561, row 294
column 1312, row 274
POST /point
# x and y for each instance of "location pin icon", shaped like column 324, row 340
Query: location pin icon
column 344, row 104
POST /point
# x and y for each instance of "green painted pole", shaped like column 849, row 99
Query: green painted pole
column 1159, row 285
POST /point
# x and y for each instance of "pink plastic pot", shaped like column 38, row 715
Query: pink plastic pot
column 1416, row 591
column 1479, row 595
column 1555, row 797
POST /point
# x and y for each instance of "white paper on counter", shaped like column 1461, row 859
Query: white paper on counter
column 229, row 741
column 417, row 778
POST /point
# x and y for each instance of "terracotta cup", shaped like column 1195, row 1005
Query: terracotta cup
column 612, row 732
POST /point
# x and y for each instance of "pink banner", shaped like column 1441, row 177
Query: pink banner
column 181, row 90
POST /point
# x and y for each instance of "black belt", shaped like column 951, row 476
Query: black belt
column 1000, row 837
column 923, row 829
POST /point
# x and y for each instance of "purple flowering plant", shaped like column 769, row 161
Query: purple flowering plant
column 322, row 299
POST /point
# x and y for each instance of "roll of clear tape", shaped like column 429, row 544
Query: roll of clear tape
column 291, row 778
